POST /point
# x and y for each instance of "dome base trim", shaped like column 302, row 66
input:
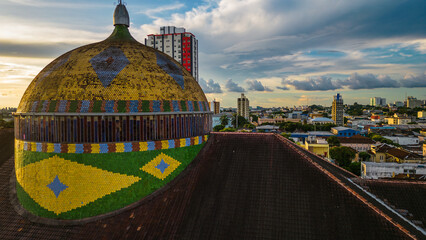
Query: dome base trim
column 109, row 114
column 114, row 106
column 109, row 147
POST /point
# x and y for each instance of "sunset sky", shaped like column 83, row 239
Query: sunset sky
column 279, row 52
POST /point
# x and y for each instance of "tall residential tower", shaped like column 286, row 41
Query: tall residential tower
column 337, row 110
column 243, row 107
column 178, row 44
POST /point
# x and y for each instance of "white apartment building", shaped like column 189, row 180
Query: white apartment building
column 373, row 170
column 404, row 140
column 178, row 44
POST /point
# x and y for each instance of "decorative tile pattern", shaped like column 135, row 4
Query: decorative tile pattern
column 112, row 147
column 57, row 186
column 55, row 65
column 170, row 68
column 108, row 64
column 161, row 166
column 74, row 185
column 111, row 106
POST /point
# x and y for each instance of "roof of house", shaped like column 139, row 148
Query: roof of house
column 397, row 152
column 342, row 128
column 322, row 119
column 356, row 139
column 240, row 186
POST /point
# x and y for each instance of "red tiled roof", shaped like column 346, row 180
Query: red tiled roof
column 240, row 186
column 396, row 152
column 356, row 139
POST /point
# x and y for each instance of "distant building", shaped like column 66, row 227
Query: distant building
column 321, row 120
column 182, row 46
column 387, row 153
column 318, row 146
column 412, row 102
column 357, row 142
column 216, row 107
column 344, row 132
column 243, row 107
column 337, row 110
column 398, row 119
column 277, row 119
column 295, row 115
column 268, row 128
column 373, row 170
column 403, row 140
column 424, row 150
column 301, row 137
column 360, row 123
column 421, row 114
column 377, row 101
column 398, row 104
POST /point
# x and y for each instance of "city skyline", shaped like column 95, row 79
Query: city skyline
column 280, row 53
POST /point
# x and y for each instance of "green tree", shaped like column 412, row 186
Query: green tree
column 379, row 138
column 355, row 168
column 342, row 155
column 241, row 121
column 364, row 156
column 333, row 141
column 217, row 128
column 249, row 126
column 228, row 130
column 224, row 120
column 254, row 118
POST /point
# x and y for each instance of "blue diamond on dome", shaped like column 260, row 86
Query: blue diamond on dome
column 108, row 64
column 57, row 187
column 171, row 68
column 162, row 166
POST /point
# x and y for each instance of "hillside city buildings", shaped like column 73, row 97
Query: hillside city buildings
column 337, row 110
column 179, row 44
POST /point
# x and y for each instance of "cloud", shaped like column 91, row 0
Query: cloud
column 210, row 86
column 231, row 86
column 369, row 81
column 283, row 85
column 153, row 11
column 256, row 85
column 56, row 4
column 412, row 81
column 322, row 83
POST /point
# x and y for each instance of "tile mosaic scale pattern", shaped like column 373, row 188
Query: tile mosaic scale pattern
column 108, row 64
column 81, row 85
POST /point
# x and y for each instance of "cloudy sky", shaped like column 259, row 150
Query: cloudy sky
column 279, row 52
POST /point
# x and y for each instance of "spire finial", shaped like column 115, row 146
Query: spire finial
column 121, row 16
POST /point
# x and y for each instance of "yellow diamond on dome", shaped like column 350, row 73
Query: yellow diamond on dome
column 61, row 185
column 161, row 166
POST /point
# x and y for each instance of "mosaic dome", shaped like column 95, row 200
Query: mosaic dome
column 105, row 125
column 115, row 71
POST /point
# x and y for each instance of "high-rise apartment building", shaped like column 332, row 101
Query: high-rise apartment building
column 337, row 110
column 412, row 102
column 243, row 107
column 377, row 101
column 178, row 44
column 216, row 107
